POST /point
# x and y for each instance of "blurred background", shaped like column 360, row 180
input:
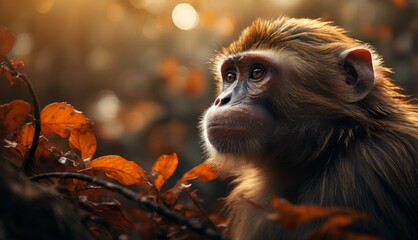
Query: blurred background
column 139, row 68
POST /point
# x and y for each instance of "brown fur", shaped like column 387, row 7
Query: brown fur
column 327, row 150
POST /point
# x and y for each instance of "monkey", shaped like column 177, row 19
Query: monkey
column 309, row 114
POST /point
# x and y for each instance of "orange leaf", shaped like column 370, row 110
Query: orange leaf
column 118, row 168
column 5, row 70
column 24, row 139
column 84, row 141
column 292, row 216
column 7, row 40
column 12, row 115
column 205, row 172
column 334, row 228
column 61, row 118
column 26, row 134
column 165, row 166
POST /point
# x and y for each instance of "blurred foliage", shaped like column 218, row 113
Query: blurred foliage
column 145, row 82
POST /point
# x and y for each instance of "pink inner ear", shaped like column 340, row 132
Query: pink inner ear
column 360, row 54
column 361, row 61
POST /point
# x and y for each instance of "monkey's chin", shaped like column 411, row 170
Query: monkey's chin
column 235, row 138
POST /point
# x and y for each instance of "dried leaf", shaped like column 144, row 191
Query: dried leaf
column 61, row 118
column 118, row 168
column 334, row 228
column 292, row 216
column 24, row 139
column 5, row 69
column 112, row 213
column 12, row 78
column 7, row 40
column 204, row 172
column 171, row 195
column 12, row 115
column 47, row 153
column 26, row 134
column 84, row 141
column 165, row 166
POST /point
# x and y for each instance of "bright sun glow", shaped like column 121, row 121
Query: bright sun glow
column 185, row 16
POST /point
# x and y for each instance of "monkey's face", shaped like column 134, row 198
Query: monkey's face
column 280, row 83
column 241, row 119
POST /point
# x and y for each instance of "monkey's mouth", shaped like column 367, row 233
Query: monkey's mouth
column 233, row 129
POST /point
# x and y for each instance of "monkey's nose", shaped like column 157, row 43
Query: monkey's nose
column 222, row 100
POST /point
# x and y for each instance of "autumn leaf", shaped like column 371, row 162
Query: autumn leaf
column 111, row 212
column 12, row 115
column 118, row 168
column 165, row 166
column 10, row 69
column 7, row 40
column 336, row 219
column 292, row 216
column 61, row 118
column 24, row 139
column 334, row 228
column 84, row 141
column 26, row 134
column 204, row 172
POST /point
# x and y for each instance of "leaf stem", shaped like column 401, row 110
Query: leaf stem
column 202, row 211
column 140, row 200
column 29, row 161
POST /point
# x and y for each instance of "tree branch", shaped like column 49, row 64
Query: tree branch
column 28, row 164
column 142, row 202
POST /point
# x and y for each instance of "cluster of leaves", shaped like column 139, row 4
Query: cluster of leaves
column 70, row 146
column 66, row 143
column 58, row 142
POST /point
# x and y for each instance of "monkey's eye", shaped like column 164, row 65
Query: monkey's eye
column 257, row 73
column 230, row 77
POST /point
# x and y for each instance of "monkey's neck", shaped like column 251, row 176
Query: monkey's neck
column 286, row 182
column 283, row 181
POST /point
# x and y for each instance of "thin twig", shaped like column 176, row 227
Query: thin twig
column 29, row 161
column 202, row 211
column 140, row 200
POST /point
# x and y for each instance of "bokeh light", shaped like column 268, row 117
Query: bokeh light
column 155, row 6
column 23, row 45
column 107, row 106
column 140, row 4
column 286, row 4
column 44, row 6
column 185, row 16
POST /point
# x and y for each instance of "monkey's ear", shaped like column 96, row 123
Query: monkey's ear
column 358, row 65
